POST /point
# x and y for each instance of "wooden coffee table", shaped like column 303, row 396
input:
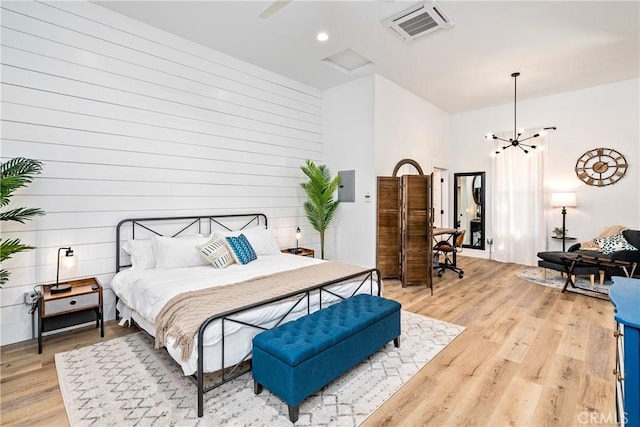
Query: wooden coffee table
column 571, row 261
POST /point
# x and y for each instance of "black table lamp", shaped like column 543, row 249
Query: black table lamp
column 58, row 288
column 297, row 238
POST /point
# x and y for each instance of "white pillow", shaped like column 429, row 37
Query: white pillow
column 171, row 252
column 226, row 233
column 141, row 253
column 262, row 240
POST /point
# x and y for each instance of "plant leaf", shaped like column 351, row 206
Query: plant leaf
column 10, row 247
column 16, row 173
column 4, row 277
column 20, row 214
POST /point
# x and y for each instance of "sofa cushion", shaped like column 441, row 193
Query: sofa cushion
column 552, row 256
column 578, row 269
column 633, row 237
column 616, row 243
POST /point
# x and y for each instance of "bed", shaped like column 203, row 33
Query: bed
column 145, row 287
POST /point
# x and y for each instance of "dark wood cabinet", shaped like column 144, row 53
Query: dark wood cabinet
column 404, row 228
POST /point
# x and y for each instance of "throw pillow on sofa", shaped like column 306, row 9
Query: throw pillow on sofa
column 615, row 243
column 609, row 231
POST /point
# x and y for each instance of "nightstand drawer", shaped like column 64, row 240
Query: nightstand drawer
column 72, row 303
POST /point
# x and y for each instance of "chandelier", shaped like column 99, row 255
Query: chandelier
column 517, row 133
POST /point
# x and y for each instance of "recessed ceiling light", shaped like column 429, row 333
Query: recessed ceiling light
column 322, row 36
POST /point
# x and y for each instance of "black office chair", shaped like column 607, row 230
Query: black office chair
column 449, row 253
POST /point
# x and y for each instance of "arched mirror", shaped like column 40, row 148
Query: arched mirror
column 468, row 207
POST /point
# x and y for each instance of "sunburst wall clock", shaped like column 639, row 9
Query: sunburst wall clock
column 601, row 166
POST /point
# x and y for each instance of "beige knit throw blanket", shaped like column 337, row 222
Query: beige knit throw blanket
column 181, row 317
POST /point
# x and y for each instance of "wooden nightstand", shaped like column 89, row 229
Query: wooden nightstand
column 300, row 251
column 82, row 304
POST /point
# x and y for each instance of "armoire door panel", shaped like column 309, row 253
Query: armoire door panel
column 387, row 227
column 415, row 230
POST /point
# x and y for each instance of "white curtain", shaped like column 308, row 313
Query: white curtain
column 519, row 228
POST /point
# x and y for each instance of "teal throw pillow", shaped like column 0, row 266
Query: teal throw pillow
column 241, row 249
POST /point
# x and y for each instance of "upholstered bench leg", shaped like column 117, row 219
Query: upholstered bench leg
column 544, row 273
column 592, row 280
column 573, row 278
column 257, row 387
column 293, row 413
column 602, row 277
column 396, row 342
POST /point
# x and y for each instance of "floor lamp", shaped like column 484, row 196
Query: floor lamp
column 563, row 200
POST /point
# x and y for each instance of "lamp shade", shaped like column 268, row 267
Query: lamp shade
column 566, row 200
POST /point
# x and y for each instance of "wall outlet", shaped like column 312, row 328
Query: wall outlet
column 31, row 298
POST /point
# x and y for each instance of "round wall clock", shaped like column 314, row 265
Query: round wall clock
column 601, row 166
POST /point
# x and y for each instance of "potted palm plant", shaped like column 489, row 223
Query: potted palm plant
column 14, row 174
column 320, row 206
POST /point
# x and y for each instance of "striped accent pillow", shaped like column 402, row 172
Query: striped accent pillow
column 241, row 249
column 216, row 252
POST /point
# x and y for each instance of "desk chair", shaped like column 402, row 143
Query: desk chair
column 449, row 253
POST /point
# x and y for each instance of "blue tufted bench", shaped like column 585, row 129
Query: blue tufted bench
column 298, row 358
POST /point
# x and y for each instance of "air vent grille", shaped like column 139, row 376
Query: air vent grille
column 418, row 21
column 418, row 24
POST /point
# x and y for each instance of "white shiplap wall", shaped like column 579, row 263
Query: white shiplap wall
column 131, row 121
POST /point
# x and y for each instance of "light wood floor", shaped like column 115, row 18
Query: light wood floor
column 530, row 356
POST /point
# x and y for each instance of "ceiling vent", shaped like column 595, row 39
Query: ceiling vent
column 348, row 61
column 418, row 21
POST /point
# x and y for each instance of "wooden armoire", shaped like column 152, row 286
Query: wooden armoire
column 404, row 227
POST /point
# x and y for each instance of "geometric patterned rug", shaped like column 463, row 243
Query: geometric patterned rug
column 125, row 381
column 554, row 280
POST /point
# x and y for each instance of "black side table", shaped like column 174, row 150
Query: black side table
column 564, row 240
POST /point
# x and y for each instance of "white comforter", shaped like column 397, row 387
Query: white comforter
column 143, row 293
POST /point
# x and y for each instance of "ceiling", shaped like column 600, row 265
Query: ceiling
column 557, row 46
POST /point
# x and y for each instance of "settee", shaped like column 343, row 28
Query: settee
column 552, row 259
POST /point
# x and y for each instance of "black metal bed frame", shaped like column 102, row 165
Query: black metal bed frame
column 195, row 220
column 296, row 297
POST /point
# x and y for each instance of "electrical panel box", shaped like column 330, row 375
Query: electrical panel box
column 347, row 188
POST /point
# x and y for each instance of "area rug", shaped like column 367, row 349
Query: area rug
column 125, row 381
column 554, row 280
